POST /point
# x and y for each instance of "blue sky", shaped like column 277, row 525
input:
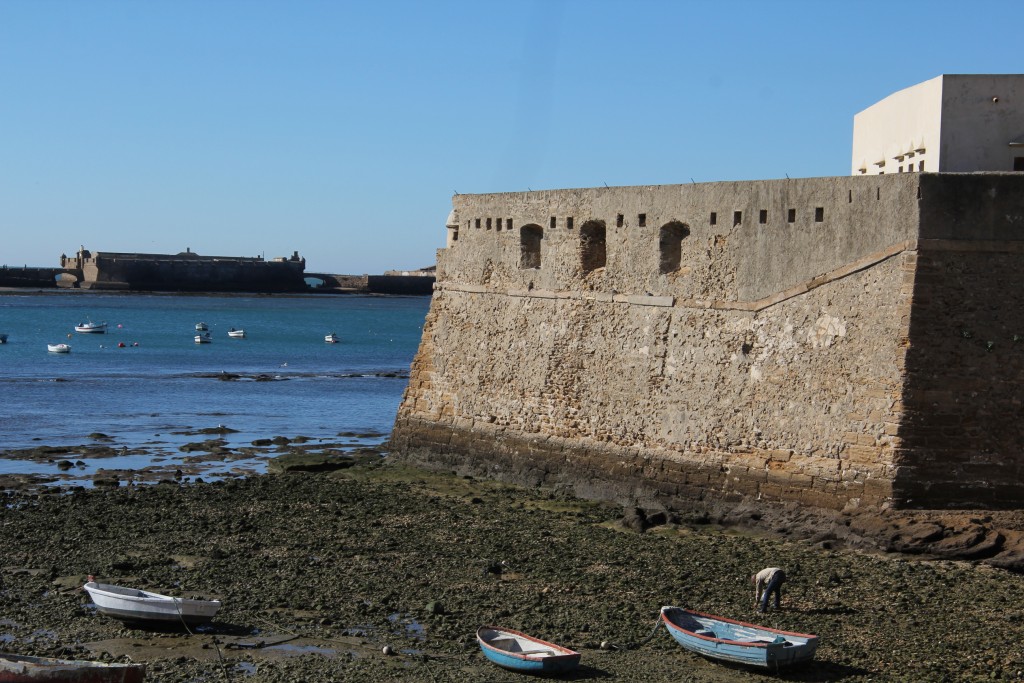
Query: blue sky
column 341, row 129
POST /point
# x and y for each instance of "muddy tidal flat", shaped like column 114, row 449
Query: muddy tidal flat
column 320, row 572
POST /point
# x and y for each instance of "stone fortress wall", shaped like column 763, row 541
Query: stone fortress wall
column 840, row 342
column 186, row 271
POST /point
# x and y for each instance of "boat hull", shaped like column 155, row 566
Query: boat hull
column 736, row 641
column 129, row 604
column 58, row 348
column 527, row 654
column 89, row 328
column 23, row 669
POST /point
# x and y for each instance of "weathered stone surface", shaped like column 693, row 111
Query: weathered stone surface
column 859, row 353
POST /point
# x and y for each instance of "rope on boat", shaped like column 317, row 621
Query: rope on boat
column 637, row 644
column 216, row 644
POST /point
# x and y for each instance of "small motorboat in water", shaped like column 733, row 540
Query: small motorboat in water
column 3, row 338
column 332, row 338
column 131, row 604
column 59, row 348
column 91, row 328
column 737, row 641
column 520, row 652
column 23, row 668
column 204, row 338
column 202, row 327
column 237, row 334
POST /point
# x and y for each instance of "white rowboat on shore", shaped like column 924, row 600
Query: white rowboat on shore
column 132, row 604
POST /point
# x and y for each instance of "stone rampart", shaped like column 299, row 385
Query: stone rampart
column 187, row 272
column 839, row 342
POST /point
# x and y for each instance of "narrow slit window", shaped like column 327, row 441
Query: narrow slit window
column 642, row 219
column 478, row 223
column 508, row 223
column 714, row 218
column 618, row 220
column 762, row 216
column 568, row 222
column 488, row 223
column 791, row 216
column 554, row 222
column 819, row 214
column 737, row 217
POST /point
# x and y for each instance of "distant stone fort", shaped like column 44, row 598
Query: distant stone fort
column 186, row 271
column 191, row 272
column 848, row 342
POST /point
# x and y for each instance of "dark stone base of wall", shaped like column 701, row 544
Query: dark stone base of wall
column 995, row 538
column 596, row 472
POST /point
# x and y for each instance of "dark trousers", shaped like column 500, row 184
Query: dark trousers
column 774, row 587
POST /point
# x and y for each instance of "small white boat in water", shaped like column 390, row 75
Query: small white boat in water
column 58, row 348
column 202, row 327
column 204, row 338
column 91, row 328
column 3, row 338
column 332, row 338
column 237, row 334
column 132, row 604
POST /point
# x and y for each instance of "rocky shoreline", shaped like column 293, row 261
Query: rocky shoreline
column 319, row 572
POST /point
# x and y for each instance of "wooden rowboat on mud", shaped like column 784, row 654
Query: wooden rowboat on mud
column 25, row 669
column 132, row 604
column 520, row 652
column 737, row 641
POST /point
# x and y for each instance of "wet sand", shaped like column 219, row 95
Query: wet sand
column 319, row 572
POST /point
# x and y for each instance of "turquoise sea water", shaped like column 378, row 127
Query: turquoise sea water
column 157, row 393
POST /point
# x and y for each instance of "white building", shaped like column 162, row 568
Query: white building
column 952, row 123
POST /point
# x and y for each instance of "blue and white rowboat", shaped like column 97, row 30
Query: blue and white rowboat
column 520, row 652
column 737, row 641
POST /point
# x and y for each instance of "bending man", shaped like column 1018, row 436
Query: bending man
column 766, row 582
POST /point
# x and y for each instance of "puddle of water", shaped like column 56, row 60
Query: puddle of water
column 247, row 668
column 295, row 650
column 413, row 628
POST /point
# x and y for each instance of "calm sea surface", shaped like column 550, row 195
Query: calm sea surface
column 157, row 394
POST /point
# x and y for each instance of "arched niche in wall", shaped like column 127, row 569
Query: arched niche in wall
column 530, row 237
column 670, row 246
column 593, row 247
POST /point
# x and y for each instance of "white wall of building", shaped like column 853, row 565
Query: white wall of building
column 951, row 123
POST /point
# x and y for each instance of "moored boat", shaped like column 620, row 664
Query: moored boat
column 237, row 334
column 3, row 338
column 202, row 327
column 736, row 641
column 520, row 652
column 332, row 338
column 23, row 669
column 58, row 348
column 132, row 604
column 204, row 338
column 91, row 328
